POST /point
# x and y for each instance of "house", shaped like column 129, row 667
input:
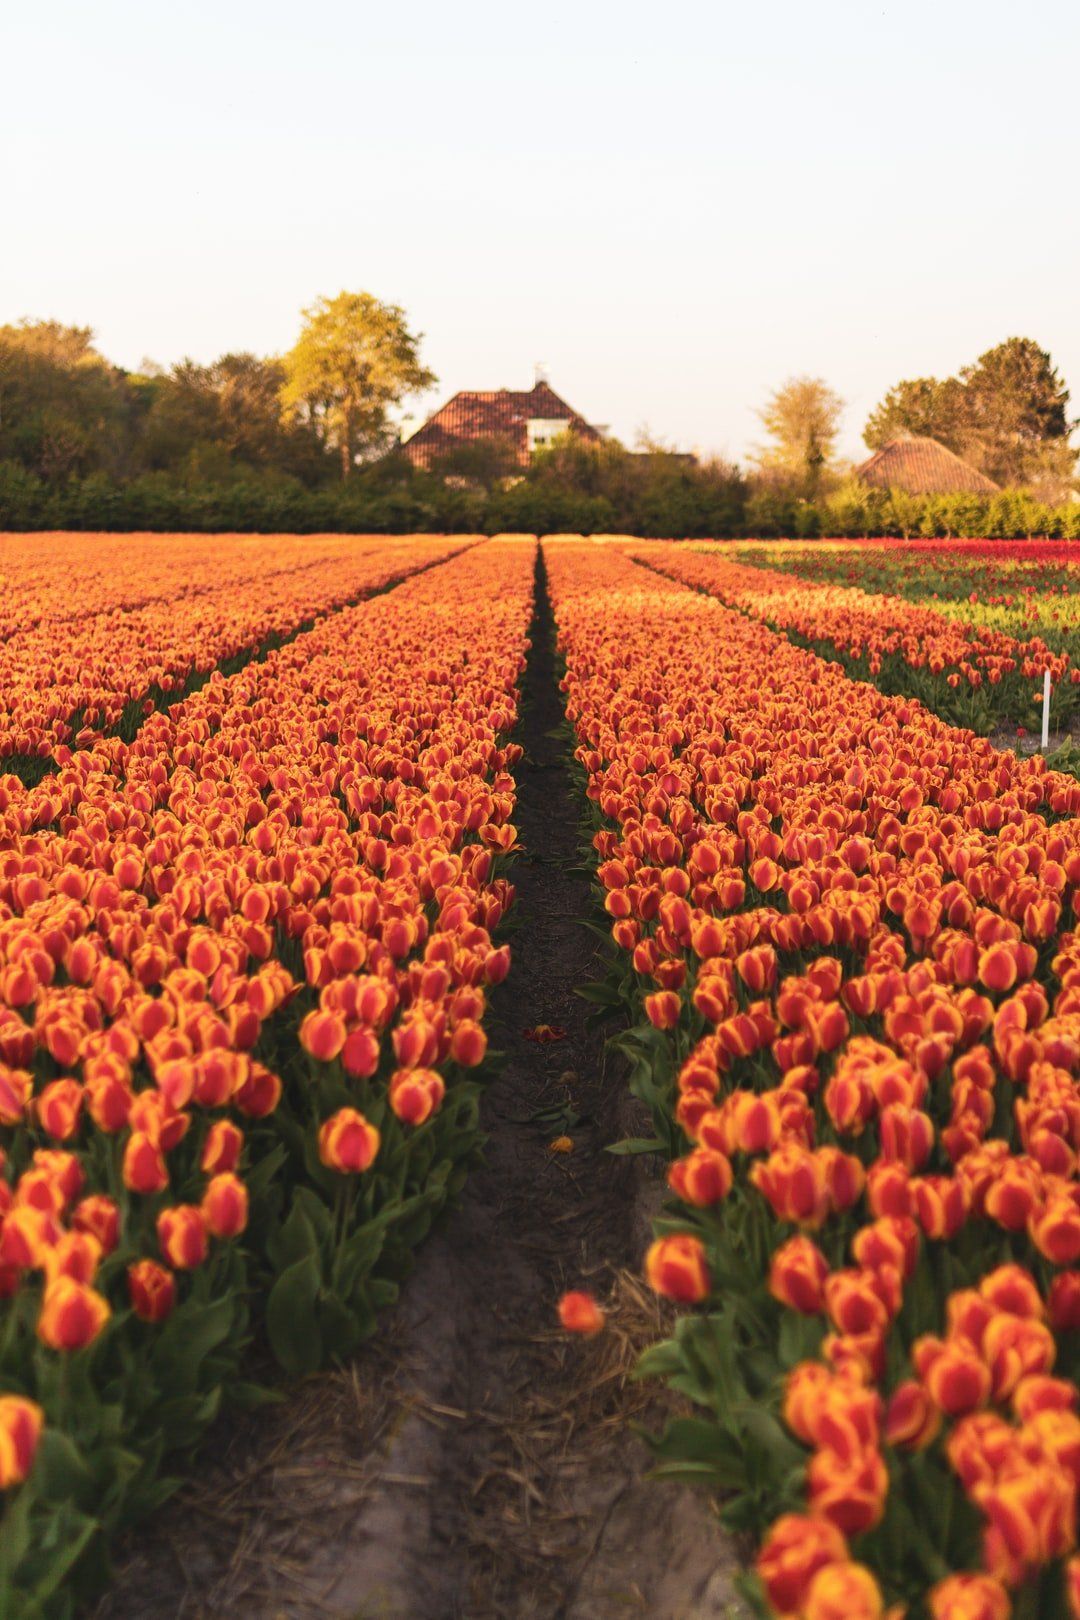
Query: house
column 922, row 467
column 528, row 421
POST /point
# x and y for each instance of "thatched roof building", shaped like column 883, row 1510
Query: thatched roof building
column 923, row 467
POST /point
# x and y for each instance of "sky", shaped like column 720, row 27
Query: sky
column 672, row 206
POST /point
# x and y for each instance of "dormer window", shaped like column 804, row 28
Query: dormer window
column 542, row 431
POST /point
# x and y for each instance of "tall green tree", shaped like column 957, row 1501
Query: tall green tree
column 354, row 359
column 802, row 419
column 228, row 415
column 64, row 410
column 925, row 406
column 1016, row 421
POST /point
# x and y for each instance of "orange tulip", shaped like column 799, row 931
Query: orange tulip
column 912, row 1421
column 323, row 1035
column 794, row 1182
column 415, row 1094
column 144, row 1168
column 956, row 1377
column 703, row 1178
column 72, row 1315
column 222, row 1148
column 21, row 1422
column 182, row 1235
column 850, row 1493
column 347, row 1143
column 225, row 1205
column 677, row 1268
column 794, row 1550
column 663, row 1009
column 58, row 1108
column 969, row 1597
column 843, row 1591
column 100, row 1216
column 797, row 1276
column 152, row 1290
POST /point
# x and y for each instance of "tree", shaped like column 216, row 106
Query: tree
column 355, row 357
column 64, row 411
column 228, row 413
column 802, row 419
column 1016, row 421
column 924, row 406
column 1007, row 414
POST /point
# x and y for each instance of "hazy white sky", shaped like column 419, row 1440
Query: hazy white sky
column 674, row 206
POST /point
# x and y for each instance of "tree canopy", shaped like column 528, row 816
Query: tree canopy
column 1007, row 414
column 67, row 413
column 802, row 419
column 64, row 410
column 354, row 358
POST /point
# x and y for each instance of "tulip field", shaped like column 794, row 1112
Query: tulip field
column 257, row 864
column 978, row 662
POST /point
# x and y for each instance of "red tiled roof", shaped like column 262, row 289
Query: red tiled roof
column 497, row 414
column 923, row 467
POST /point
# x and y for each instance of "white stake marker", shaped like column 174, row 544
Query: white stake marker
column 1046, row 708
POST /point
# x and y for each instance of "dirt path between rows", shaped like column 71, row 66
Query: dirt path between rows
column 475, row 1463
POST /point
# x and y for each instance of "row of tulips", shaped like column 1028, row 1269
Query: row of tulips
column 244, row 963
column 843, row 933
column 65, row 684
column 1031, row 585
column 971, row 673
column 55, row 578
column 1019, row 589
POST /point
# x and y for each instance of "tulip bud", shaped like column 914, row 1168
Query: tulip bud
column 1055, row 1230
column 1063, row 1302
column 75, row 1254
column 415, row 1094
column 703, row 1178
column 225, row 1205
column 848, row 1491
column 108, row 1100
column 1012, row 1289
column 260, row 1093
column 954, row 1373
column 72, row 1315
column 144, row 1165
column 222, row 1148
column 21, row 1423
column 797, row 1276
column 676, row 1267
column 843, row 1592
column 58, row 1108
column 152, row 1290
column 323, row 1034
column 795, row 1548
column 997, row 968
column 941, row 1204
column 99, row 1216
column 911, row 1418
column 663, row 1009
column 468, row 1044
column 181, row 1232
column 16, row 1089
column 360, row 1054
column 347, row 1143
column 968, row 1597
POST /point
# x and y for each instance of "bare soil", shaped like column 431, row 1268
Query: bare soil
column 475, row 1463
